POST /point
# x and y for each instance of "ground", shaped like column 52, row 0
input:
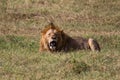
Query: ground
column 22, row 20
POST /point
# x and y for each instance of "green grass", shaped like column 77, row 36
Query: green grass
column 22, row 20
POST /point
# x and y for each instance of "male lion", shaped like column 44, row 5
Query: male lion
column 54, row 39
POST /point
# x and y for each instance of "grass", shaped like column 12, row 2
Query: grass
column 22, row 20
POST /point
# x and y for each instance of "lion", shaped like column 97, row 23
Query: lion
column 54, row 39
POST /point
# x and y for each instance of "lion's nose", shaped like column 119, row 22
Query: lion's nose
column 53, row 37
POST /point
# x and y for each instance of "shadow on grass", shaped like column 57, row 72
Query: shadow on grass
column 79, row 66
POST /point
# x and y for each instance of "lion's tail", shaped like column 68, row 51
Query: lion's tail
column 94, row 46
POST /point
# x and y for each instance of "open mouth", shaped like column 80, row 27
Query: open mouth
column 53, row 45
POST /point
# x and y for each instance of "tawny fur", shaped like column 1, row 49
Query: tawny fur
column 67, row 43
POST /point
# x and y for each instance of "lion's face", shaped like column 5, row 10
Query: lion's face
column 53, row 38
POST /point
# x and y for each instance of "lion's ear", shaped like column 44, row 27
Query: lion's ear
column 61, row 31
column 51, row 24
column 43, row 31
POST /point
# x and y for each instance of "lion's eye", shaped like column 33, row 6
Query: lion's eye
column 49, row 34
column 55, row 33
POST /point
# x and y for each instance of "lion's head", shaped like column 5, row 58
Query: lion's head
column 52, row 37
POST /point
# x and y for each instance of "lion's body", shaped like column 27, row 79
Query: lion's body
column 67, row 43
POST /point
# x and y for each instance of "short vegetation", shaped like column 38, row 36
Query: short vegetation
column 22, row 20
